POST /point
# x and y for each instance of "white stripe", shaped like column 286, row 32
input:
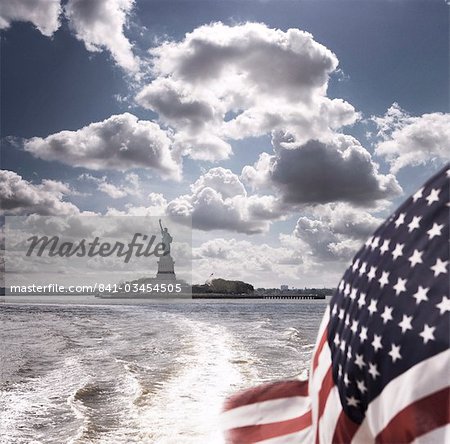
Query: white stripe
column 265, row 412
column 323, row 325
column 437, row 436
column 330, row 416
column 419, row 381
column 302, row 437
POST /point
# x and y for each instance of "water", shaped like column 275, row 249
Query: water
column 148, row 373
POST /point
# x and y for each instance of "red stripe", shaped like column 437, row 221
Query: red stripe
column 256, row 433
column 325, row 389
column 319, row 349
column 418, row 418
column 267, row 392
column 345, row 430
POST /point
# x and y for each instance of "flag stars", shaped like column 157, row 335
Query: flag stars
column 433, row 196
column 354, row 267
column 346, row 380
column 405, row 325
column 347, row 289
column 398, row 251
column 444, row 305
column 439, row 267
column 354, row 327
column 336, row 340
column 363, row 268
column 427, row 333
column 418, row 195
column 373, row 370
column 384, row 279
column 341, row 314
column 353, row 294
column 334, row 310
column 414, row 224
column 375, row 242
column 373, row 306
column 361, row 386
column 342, row 346
column 362, row 300
column 359, row 361
column 435, row 230
column 352, row 401
column 400, row 286
column 376, row 343
column 416, row 258
column 421, row 294
column 349, row 353
column 363, row 334
column 385, row 246
column 400, row 220
column 371, row 274
column 395, row 353
column 387, row 314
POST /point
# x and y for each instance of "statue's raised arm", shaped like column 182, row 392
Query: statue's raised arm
column 160, row 224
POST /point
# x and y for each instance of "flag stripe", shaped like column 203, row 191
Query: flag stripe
column 265, row 412
column 404, row 390
column 268, row 392
column 437, row 436
column 294, row 438
column 262, row 432
column 418, row 418
column 319, row 349
column 345, row 430
column 330, row 417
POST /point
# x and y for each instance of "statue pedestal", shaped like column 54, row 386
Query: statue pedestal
column 166, row 270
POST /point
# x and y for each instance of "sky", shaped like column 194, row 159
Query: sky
column 287, row 130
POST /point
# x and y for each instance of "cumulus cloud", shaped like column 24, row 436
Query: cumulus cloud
column 44, row 15
column 100, row 25
column 155, row 206
column 408, row 140
column 20, row 197
column 121, row 142
column 129, row 188
column 229, row 82
column 219, row 201
column 337, row 169
column 335, row 232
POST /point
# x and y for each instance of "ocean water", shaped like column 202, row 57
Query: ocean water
column 153, row 372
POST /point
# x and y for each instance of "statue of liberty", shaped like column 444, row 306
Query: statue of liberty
column 166, row 239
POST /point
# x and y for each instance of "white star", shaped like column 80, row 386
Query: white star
column 385, row 246
column 387, row 314
column 341, row 314
column 376, row 343
column 336, row 340
column 354, row 327
column 371, row 273
column 341, row 285
column 398, row 251
column 368, row 243
column 353, row 294
column 340, row 371
column 352, row 401
column 384, row 279
column 375, row 242
column 347, row 289
column 439, row 267
column 435, row 230
column 373, row 370
column 421, row 294
column 362, row 299
column 414, row 223
column 395, row 353
column 334, row 310
column 418, row 195
column 363, row 334
column 400, row 220
column 362, row 270
column 347, row 320
column 427, row 333
column 400, row 287
column 355, row 265
column 359, row 361
column 346, row 380
column 349, row 353
column 361, row 386
column 373, row 306
column 416, row 258
column 433, row 196
column 406, row 323
column 342, row 346
column 444, row 305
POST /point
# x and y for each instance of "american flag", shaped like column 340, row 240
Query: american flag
column 380, row 371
